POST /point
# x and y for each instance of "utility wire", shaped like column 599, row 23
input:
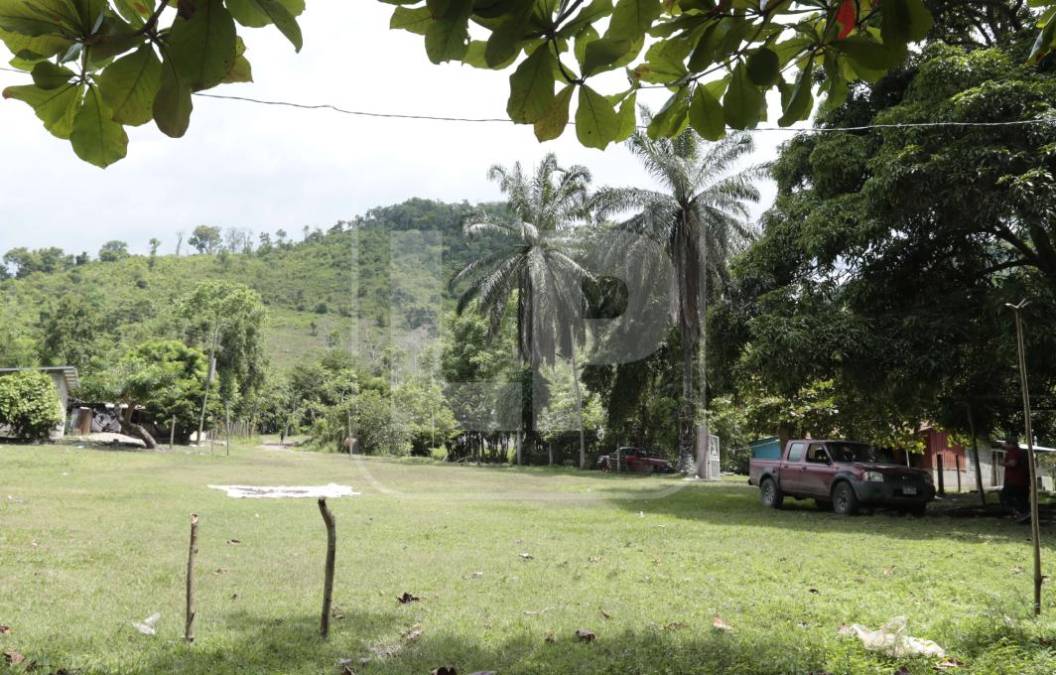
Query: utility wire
column 1050, row 121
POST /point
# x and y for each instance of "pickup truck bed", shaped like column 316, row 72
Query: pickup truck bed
column 843, row 474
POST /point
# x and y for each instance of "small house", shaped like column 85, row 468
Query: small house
column 65, row 379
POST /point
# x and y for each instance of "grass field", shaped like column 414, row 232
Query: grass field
column 93, row 540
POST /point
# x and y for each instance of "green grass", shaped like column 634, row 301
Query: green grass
column 93, row 540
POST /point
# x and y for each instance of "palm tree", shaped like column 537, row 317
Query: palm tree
column 530, row 265
column 699, row 220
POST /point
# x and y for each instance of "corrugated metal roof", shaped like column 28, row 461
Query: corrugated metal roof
column 73, row 379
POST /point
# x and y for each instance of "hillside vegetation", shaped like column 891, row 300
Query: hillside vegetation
column 356, row 285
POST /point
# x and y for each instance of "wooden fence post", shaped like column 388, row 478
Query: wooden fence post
column 941, row 472
column 172, row 433
column 331, row 554
column 188, row 630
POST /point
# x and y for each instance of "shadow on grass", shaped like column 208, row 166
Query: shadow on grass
column 738, row 506
column 260, row 645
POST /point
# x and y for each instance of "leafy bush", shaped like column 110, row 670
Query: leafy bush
column 29, row 406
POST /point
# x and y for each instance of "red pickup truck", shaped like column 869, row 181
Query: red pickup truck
column 842, row 474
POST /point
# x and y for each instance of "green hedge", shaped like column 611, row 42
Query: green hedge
column 29, row 405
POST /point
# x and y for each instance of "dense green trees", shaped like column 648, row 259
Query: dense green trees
column 700, row 221
column 531, row 270
column 29, row 407
column 164, row 379
column 98, row 66
column 889, row 256
column 719, row 58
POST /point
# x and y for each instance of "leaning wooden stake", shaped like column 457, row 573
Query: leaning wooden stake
column 331, row 554
column 1035, row 528
column 188, row 631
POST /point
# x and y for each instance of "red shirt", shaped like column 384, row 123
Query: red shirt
column 1017, row 472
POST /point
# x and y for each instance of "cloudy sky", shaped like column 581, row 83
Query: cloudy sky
column 265, row 168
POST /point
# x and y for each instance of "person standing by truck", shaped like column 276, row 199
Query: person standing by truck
column 1015, row 494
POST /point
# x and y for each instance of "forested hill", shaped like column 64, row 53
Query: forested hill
column 374, row 281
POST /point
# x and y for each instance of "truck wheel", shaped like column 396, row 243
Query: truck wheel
column 844, row 501
column 771, row 494
column 918, row 510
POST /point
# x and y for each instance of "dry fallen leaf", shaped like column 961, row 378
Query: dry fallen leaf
column 234, row 542
column 948, row 664
column 814, row 591
column 675, row 625
column 604, row 614
column 718, row 624
column 413, row 633
column 5, row 630
column 527, row 556
column 337, row 613
column 550, row 638
column 13, row 658
column 407, row 599
column 888, row 571
column 585, row 635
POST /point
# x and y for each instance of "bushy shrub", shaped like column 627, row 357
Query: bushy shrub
column 29, row 406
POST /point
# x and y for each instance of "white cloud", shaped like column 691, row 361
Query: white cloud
column 266, row 168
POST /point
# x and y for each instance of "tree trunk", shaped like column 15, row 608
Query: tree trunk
column 687, row 271
column 975, row 459
column 208, row 385
column 579, row 410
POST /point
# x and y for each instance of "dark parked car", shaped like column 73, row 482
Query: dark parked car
column 841, row 474
column 637, row 460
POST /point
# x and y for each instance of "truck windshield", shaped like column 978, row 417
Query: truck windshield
column 859, row 452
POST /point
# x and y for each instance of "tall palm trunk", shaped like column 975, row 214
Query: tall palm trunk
column 579, row 403
column 687, row 271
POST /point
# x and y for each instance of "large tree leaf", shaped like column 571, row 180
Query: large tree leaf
column 130, row 85
column 43, row 46
column 447, row 39
column 671, row 119
column 40, row 18
column 743, row 103
column 632, row 18
column 56, row 108
column 172, row 105
column 257, row 13
column 203, row 47
column 532, row 86
column 627, row 117
column 603, row 54
column 413, row 19
column 764, row 67
column 801, row 101
column 96, row 137
column 553, row 122
column 596, row 122
column 706, row 115
column 241, row 70
column 47, row 75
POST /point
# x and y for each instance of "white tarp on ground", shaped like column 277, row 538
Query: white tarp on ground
column 286, row 491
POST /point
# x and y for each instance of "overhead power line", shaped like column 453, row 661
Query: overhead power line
column 1049, row 121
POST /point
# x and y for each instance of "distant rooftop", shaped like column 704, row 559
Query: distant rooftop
column 73, row 379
